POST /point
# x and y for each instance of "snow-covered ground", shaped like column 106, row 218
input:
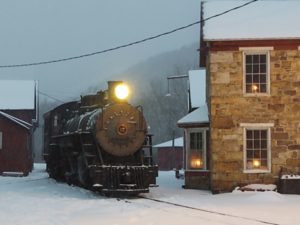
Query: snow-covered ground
column 37, row 200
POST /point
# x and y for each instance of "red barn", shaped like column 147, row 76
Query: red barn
column 170, row 154
column 18, row 120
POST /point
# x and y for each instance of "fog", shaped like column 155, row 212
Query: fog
column 41, row 30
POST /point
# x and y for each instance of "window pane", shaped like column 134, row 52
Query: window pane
column 255, row 78
column 256, row 154
column 263, row 68
column 264, row 164
column 263, row 88
column 256, row 144
column 263, row 134
column 249, row 134
column 249, row 164
column 249, row 59
column 249, row 88
column 262, row 78
column 255, row 68
column 249, row 68
column 264, row 154
column 263, row 58
column 255, row 58
column 249, row 144
column 263, row 144
column 249, row 79
column 250, row 154
column 256, row 149
column 256, row 134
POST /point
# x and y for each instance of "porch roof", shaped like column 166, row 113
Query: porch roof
column 198, row 116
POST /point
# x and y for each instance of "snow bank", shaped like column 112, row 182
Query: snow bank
column 38, row 200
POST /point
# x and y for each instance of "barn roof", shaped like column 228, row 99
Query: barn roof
column 17, row 94
column 258, row 20
column 16, row 120
column 178, row 142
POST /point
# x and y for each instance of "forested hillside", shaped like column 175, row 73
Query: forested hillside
column 148, row 81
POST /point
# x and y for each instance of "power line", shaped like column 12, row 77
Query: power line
column 51, row 97
column 129, row 44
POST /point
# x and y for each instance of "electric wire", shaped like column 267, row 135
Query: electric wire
column 128, row 44
column 51, row 97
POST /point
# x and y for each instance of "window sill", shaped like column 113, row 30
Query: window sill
column 257, row 171
column 257, row 95
column 197, row 170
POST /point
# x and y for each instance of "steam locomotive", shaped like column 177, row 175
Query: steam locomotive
column 100, row 143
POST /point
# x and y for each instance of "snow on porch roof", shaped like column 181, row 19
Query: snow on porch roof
column 258, row 20
column 17, row 94
column 198, row 116
column 178, row 142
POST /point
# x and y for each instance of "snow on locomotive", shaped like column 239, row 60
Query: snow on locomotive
column 100, row 143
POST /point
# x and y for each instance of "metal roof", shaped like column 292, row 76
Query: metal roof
column 17, row 94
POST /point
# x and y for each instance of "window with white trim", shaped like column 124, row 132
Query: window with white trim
column 196, row 149
column 256, row 73
column 1, row 140
column 257, row 149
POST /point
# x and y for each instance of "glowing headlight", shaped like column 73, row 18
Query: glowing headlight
column 121, row 91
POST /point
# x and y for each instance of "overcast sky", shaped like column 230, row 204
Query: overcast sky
column 41, row 30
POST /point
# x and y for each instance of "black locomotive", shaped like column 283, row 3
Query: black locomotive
column 100, row 143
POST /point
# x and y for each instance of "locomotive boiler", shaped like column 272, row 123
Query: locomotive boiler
column 100, row 143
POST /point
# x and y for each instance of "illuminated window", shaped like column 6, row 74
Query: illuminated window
column 1, row 140
column 196, row 149
column 256, row 73
column 257, row 149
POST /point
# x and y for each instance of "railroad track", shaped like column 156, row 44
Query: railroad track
column 204, row 210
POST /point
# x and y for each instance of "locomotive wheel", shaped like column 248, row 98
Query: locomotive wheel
column 83, row 172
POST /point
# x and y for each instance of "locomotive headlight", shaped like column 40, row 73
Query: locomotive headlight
column 121, row 91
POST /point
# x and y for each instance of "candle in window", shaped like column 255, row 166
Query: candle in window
column 254, row 88
column 256, row 163
column 196, row 163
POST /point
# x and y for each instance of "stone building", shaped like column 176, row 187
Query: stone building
column 252, row 59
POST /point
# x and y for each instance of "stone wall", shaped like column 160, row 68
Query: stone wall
column 197, row 180
column 229, row 107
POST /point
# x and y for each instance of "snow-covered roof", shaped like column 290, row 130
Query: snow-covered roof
column 197, row 116
column 258, row 20
column 178, row 142
column 17, row 94
column 197, row 87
